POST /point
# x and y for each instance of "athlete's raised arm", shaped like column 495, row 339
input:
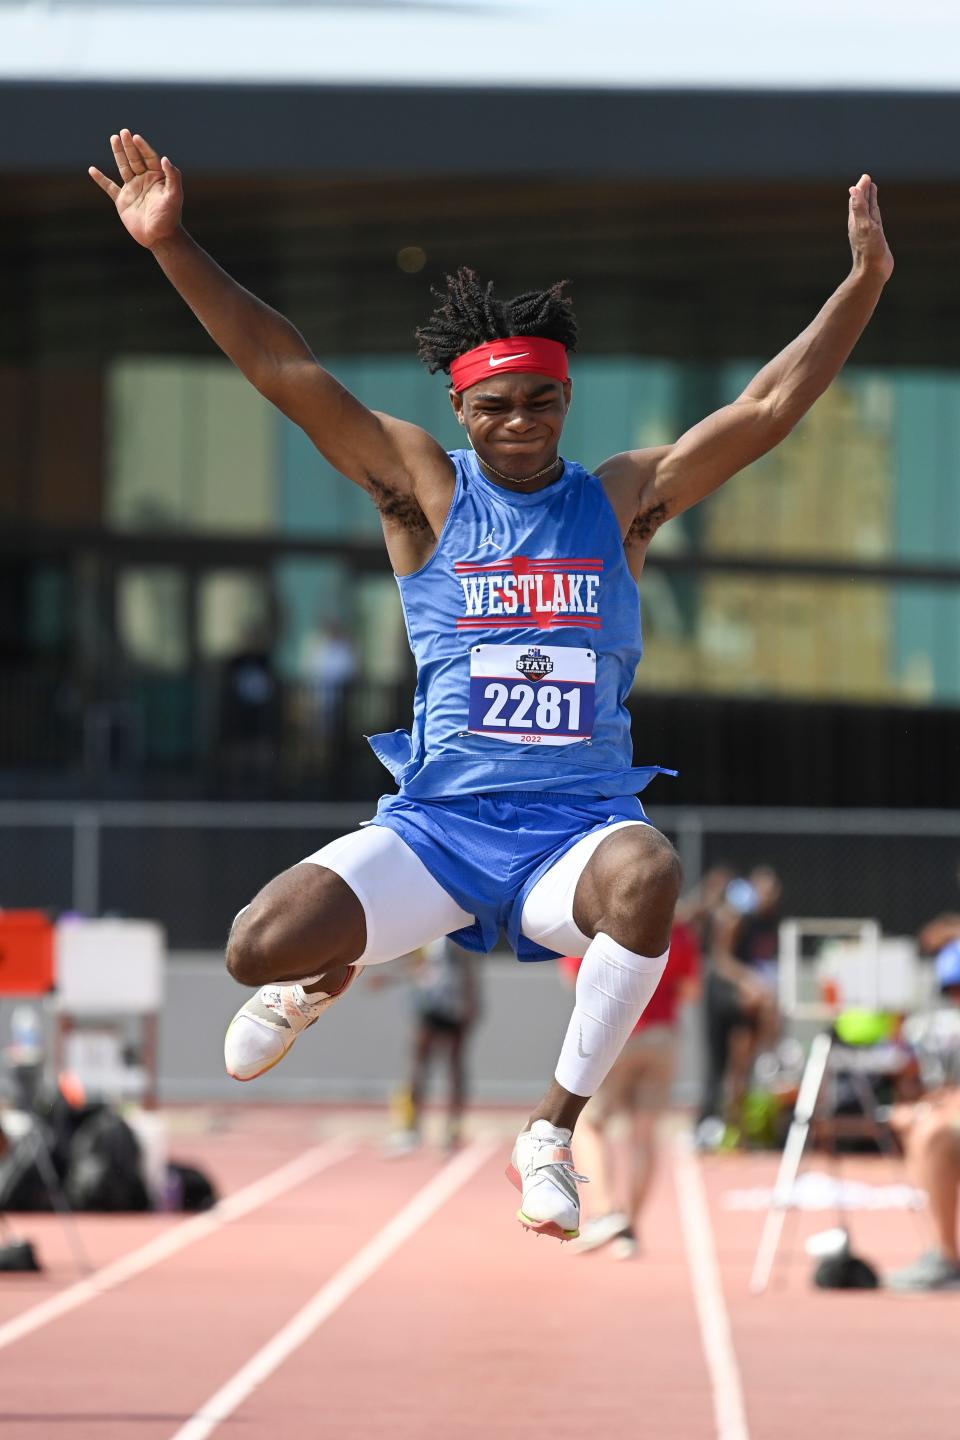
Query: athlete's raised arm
column 657, row 484
column 384, row 455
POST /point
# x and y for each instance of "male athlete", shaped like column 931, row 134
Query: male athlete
column 517, row 569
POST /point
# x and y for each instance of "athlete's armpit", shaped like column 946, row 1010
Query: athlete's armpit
column 401, row 510
column 626, row 479
column 645, row 525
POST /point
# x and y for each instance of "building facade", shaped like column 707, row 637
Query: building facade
column 194, row 603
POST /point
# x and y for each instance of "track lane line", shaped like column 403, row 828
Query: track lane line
column 335, row 1291
column 715, row 1333
column 178, row 1237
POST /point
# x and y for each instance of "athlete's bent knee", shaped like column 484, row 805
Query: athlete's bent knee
column 640, row 887
column 653, row 875
column 305, row 923
column 248, row 956
column 259, row 949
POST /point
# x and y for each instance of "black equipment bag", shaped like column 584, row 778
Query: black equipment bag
column 103, row 1167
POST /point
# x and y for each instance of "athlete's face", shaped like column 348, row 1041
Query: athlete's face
column 514, row 421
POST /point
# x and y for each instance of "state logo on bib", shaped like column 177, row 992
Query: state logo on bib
column 534, row 664
column 532, row 694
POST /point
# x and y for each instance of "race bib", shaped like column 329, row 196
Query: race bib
column 532, row 694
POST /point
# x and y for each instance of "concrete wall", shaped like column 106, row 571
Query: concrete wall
column 360, row 1052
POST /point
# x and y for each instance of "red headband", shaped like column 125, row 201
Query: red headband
column 527, row 353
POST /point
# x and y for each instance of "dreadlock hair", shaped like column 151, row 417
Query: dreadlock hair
column 469, row 314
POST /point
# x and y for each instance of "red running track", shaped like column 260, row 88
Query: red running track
column 461, row 1324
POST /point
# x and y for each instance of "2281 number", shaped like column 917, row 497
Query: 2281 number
column 512, row 705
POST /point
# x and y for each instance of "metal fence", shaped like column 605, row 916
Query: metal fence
column 193, row 865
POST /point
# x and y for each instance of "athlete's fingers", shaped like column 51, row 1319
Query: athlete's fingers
column 134, row 158
column 120, row 155
column 112, row 189
column 172, row 175
column 859, row 201
column 150, row 157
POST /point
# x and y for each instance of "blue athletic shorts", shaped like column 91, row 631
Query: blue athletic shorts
column 488, row 851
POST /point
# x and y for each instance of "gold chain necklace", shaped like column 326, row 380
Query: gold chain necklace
column 525, row 479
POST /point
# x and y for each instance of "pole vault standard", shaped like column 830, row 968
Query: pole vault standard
column 782, row 1198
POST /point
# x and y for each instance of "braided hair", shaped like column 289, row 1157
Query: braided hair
column 469, row 314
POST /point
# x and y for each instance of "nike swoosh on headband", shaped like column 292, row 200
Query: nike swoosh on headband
column 511, row 352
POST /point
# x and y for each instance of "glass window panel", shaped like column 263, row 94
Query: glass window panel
column 151, row 616
column 146, row 474
column 380, row 628
column 234, row 612
column 314, row 498
column 319, row 656
column 927, row 437
column 827, row 491
column 741, row 634
column 234, row 445
column 49, row 609
column 322, row 601
column 927, row 648
column 772, row 636
column 312, row 594
column 192, row 446
column 868, row 473
column 620, row 403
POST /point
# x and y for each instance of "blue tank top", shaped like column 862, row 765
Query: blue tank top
column 525, row 627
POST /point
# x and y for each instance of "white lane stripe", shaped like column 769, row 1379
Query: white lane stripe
column 728, row 1407
column 188, row 1232
column 334, row 1292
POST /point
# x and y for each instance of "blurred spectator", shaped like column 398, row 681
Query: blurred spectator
column 445, row 1000
column 250, row 708
column 938, row 932
column 638, row 1089
column 929, row 1132
column 330, row 665
column 699, row 907
column 741, row 1014
column 755, row 941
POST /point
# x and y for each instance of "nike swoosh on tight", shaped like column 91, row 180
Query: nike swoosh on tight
column 504, row 358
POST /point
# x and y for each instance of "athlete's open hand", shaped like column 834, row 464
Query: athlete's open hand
column 150, row 200
column 865, row 228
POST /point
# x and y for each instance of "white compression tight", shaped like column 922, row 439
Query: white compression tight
column 614, row 987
